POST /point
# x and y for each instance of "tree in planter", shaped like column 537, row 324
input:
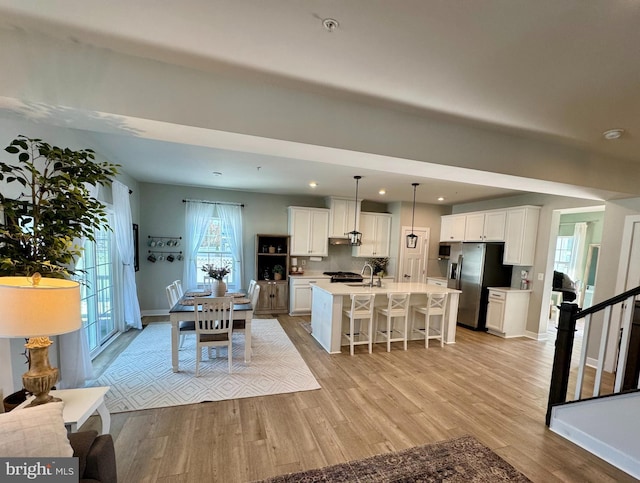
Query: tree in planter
column 54, row 209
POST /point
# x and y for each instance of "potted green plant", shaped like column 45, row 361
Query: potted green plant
column 278, row 272
column 54, row 210
column 41, row 226
column 379, row 266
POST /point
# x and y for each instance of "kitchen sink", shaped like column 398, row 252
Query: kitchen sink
column 357, row 284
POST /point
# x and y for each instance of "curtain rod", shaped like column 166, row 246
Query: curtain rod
column 241, row 205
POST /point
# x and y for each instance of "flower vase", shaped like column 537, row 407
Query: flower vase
column 218, row 288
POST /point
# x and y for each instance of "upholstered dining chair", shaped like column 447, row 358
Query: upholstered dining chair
column 214, row 326
column 185, row 326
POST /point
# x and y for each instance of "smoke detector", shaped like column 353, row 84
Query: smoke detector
column 330, row 24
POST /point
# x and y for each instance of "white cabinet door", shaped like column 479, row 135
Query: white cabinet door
column 494, row 225
column 376, row 233
column 507, row 312
column 495, row 311
column 300, row 230
column 474, row 227
column 319, row 237
column 309, row 230
column 485, row 226
column 343, row 216
column 452, row 228
column 520, row 235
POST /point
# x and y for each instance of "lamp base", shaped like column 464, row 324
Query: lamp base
column 40, row 377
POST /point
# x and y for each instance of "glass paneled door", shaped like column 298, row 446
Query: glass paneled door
column 97, row 276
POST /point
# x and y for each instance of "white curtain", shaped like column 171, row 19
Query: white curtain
column 73, row 348
column 231, row 216
column 197, row 218
column 577, row 256
column 124, row 242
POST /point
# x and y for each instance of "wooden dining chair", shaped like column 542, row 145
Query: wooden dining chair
column 214, row 326
column 252, row 286
column 185, row 326
column 178, row 285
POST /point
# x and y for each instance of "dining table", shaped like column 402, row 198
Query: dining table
column 184, row 312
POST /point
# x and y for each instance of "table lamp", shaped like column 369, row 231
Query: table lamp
column 36, row 307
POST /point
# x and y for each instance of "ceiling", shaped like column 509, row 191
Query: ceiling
column 556, row 71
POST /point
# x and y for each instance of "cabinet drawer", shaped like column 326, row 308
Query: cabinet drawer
column 497, row 295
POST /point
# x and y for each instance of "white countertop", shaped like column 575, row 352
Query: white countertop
column 387, row 287
column 509, row 289
column 309, row 274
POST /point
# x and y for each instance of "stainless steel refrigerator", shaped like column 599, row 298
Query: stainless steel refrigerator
column 472, row 268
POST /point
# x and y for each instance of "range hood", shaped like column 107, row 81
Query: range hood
column 338, row 241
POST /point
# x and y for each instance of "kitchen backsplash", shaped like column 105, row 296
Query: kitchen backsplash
column 339, row 259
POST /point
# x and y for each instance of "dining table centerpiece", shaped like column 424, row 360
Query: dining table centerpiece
column 217, row 274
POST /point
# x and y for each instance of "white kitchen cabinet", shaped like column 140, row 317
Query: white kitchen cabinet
column 520, row 235
column 452, row 228
column 376, row 234
column 300, row 294
column 485, row 226
column 440, row 282
column 507, row 312
column 309, row 230
column 344, row 214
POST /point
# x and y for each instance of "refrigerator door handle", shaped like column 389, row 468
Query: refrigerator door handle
column 459, row 272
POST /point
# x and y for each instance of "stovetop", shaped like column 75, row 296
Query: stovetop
column 344, row 276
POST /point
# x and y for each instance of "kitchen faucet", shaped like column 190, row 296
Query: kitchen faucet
column 367, row 264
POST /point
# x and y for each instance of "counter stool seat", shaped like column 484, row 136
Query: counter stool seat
column 361, row 310
column 393, row 330
column 436, row 307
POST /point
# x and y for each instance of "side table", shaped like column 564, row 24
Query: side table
column 79, row 404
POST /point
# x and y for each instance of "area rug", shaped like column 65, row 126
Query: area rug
column 458, row 460
column 141, row 376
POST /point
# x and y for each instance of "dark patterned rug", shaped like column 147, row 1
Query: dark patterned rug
column 458, row 460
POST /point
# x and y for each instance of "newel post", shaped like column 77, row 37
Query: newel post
column 562, row 356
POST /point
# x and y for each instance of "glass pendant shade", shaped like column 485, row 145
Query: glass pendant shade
column 412, row 238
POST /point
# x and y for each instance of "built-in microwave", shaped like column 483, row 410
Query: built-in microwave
column 444, row 251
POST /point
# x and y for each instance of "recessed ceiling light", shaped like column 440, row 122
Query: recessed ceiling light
column 382, row 192
column 313, row 184
column 440, row 198
column 612, row 134
column 217, row 173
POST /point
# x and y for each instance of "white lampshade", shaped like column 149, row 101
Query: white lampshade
column 51, row 307
column 294, row 262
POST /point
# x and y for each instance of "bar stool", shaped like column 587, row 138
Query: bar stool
column 361, row 310
column 436, row 307
column 397, row 307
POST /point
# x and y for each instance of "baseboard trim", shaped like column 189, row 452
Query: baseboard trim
column 152, row 313
column 602, row 450
column 535, row 336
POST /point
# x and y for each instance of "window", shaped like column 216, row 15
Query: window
column 96, row 274
column 564, row 252
column 215, row 249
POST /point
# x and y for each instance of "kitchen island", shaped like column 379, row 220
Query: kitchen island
column 329, row 300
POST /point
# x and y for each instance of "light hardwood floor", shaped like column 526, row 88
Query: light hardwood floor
column 485, row 386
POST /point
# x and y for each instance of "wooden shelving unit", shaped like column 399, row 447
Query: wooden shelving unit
column 272, row 250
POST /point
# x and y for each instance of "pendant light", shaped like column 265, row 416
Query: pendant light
column 355, row 237
column 412, row 239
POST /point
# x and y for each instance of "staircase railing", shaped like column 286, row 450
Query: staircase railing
column 569, row 315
